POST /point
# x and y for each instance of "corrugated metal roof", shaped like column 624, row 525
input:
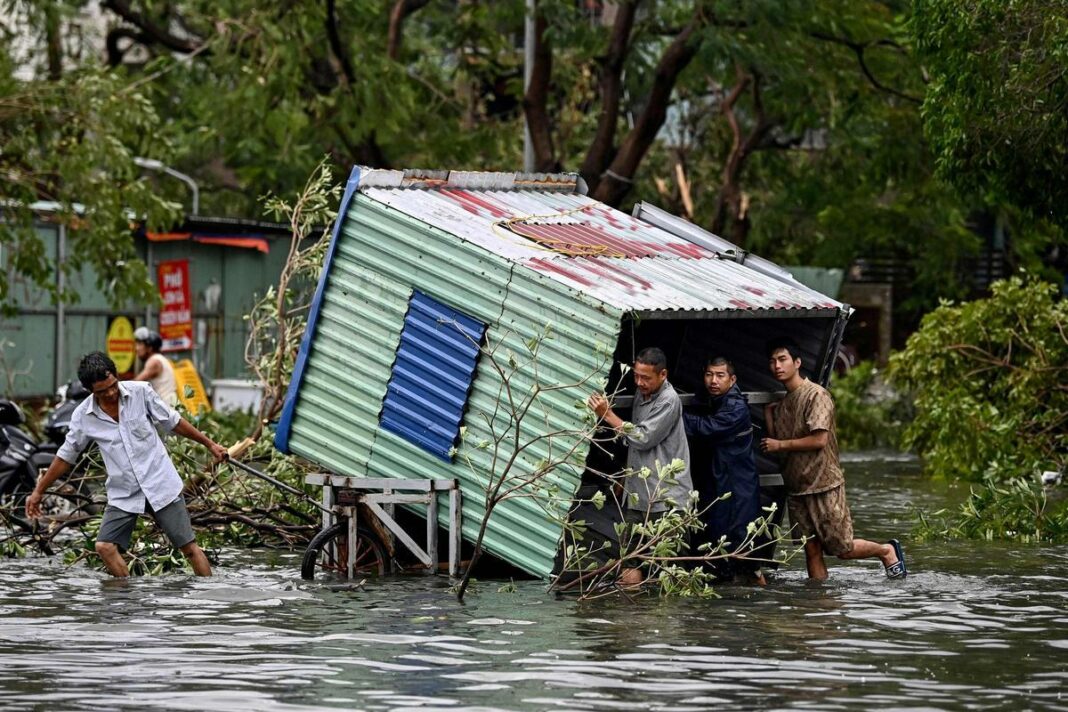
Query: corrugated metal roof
column 485, row 218
column 432, row 374
column 515, row 252
column 650, row 285
column 618, row 259
column 699, row 236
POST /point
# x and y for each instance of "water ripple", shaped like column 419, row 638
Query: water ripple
column 978, row 626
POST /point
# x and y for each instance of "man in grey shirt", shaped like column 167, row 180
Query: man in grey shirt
column 122, row 418
column 656, row 439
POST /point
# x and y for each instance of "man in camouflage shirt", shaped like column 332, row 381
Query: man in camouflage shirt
column 801, row 427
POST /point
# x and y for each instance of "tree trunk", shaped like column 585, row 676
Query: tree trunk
column 601, row 149
column 150, row 31
column 400, row 12
column 536, row 101
column 477, row 554
column 732, row 207
column 619, row 176
column 54, row 40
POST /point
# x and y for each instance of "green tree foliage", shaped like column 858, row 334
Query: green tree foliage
column 996, row 109
column 1020, row 509
column 796, row 125
column 870, row 414
column 990, row 380
column 70, row 138
column 791, row 127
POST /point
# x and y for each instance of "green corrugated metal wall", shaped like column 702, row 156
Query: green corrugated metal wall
column 382, row 255
column 348, row 369
column 244, row 275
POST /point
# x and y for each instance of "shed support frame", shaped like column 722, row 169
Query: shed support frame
column 381, row 495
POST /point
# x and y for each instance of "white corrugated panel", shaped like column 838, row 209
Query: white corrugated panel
column 614, row 257
column 680, row 284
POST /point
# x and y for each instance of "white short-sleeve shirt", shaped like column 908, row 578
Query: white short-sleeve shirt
column 137, row 463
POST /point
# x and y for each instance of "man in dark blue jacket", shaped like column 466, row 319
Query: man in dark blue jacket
column 722, row 460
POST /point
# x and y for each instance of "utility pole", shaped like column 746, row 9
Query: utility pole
column 154, row 165
column 529, row 38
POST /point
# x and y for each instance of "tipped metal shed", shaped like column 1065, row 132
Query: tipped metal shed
column 512, row 253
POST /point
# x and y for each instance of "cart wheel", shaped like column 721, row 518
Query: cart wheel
column 328, row 553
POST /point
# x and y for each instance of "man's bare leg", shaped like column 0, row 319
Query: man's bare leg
column 197, row 559
column 864, row 549
column 755, row 578
column 817, row 567
column 113, row 560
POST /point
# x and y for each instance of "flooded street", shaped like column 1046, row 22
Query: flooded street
column 976, row 626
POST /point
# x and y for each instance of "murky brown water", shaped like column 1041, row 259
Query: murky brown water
column 976, row 626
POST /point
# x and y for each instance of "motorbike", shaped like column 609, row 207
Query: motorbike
column 58, row 422
column 22, row 457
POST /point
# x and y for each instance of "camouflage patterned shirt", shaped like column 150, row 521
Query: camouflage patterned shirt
column 804, row 411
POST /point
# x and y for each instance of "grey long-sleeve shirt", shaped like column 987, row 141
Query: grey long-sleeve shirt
column 658, row 438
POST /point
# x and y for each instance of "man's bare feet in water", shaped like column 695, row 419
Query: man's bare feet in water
column 757, row 578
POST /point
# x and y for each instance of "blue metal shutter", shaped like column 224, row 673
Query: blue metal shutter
column 432, row 375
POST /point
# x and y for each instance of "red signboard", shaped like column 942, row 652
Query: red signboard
column 176, row 316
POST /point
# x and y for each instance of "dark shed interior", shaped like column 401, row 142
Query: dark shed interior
column 688, row 344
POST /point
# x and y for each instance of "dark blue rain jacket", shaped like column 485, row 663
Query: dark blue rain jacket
column 722, row 460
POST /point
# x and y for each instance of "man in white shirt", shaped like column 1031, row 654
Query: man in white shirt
column 157, row 368
column 122, row 419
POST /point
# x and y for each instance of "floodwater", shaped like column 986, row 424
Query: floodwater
column 976, row 625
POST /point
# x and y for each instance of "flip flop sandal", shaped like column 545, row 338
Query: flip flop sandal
column 897, row 570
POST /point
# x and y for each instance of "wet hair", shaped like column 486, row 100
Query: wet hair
column 150, row 339
column 94, row 368
column 652, row 356
column 720, row 361
column 783, row 343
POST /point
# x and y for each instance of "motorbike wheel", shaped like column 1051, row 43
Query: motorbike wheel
column 72, row 494
column 63, row 501
column 328, row 553
column 87, row 495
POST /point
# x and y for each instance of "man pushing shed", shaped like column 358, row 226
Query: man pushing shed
column 802, row 427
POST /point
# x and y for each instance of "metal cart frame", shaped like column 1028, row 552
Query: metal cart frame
column 381, row 495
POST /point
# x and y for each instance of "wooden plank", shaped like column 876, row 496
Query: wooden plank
column 394, row 498
column 380, row 483
column 328, row 503
column 391, row 511
column 762, row 397
column 454, row 531
column 399, row 532
column 350, row 563
column 445, row 485
column 432, row 532
column 374, row 483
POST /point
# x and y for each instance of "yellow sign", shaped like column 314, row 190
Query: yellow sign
column 120, row 344
column 185, row 373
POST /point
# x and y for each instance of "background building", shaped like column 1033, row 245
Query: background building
column 231, row 264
